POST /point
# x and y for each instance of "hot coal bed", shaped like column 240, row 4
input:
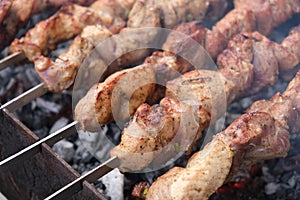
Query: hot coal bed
column 272, row 179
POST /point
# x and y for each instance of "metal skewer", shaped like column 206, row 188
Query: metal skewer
column 35, row 148
column 25, row 97
column 12, row 59
column 92, row 176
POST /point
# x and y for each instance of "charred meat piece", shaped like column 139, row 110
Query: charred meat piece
column 202, row 93
column 119, row 94
column 4, row 8
column 140, row 190
column 159, row 68
column 248, row 16
column 269, row 14
column 168, row 65
column 145, row 13
column 261, row 133
column 15, row 14
column 59, row 78
column 65, row 24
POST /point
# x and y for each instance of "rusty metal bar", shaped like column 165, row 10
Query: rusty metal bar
column 35, row 148
column 77, row 185
column 40, row 175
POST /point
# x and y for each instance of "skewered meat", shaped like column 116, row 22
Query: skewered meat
column 209, row 178
column 102, row 112
column 120, row 85
column 262, row 133
column 249, row 16
column 53, row 73
column 19, row 12
column 166, row 63
column 70, row 59
column 243, row 65
column 66, row 23
column 269, row 14
column 146, row 13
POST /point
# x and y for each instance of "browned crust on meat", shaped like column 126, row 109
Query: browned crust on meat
column 249, row 63
column 269, row 14
column 65, row 24
column 4, row 8
column 20, row 12
column 125, row 90
column 259, row 134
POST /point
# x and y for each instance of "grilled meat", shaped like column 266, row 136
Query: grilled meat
column 19, row 12
column 102, row 111
column 168, row 65
column 4, row 8
column 243, row 65
column 139, row 191
column 248, row 16
column 116, row 90
column 145, row 13
column 59, row 77
column 183, row 183
column 269, row 14
column 65, row 24
column 261, row 133
column 52, row 73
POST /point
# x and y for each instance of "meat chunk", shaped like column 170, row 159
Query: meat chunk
column 261, row 133
column 166, row 67
column 4, row 8
column 269, row 14
column 199, row 97
column 58, row 27
column 140, row 190
column 68, row 22
column 196, row 181
column 59, row 74
column 11, row 20
column 174, row 122
column 115, row 98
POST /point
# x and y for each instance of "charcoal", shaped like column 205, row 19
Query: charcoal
column 114, row 183
column 48, row 105
column 59, row 124
column 271, row 188
column 286, row 176
column 246, row 103
column 82, row 155
column 65, row 149
column 41, row 133
column 292, row 181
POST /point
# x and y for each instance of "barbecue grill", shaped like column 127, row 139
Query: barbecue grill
column 31, row 169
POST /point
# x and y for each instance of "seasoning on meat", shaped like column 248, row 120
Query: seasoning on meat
column 101, row 100
column 17, row 13
column 65, row 24
column 145, row 13
column 4, row 8
column 201, row 96
column 167, row 64
column 259, row 134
